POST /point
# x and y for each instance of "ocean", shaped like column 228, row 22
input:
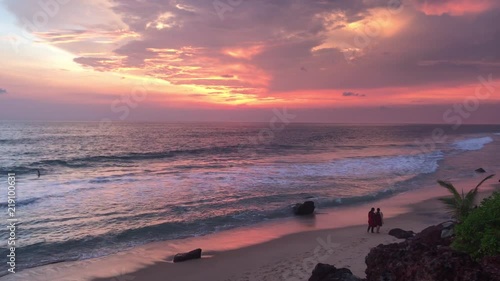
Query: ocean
column 104, row 190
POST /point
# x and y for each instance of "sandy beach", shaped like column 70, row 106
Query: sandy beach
column 284, row 250
column 294, row 256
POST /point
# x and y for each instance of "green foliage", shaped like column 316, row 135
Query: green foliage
column 479, row 233
column 461, row 205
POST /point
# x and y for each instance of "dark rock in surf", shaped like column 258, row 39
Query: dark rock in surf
column 195, row 254
column 480, row 170
column 401, row 234
column 306, row 208
column 326, row 272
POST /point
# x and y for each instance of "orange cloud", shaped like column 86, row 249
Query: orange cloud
column 243, row 53
column 454, row 7
column 210, row 77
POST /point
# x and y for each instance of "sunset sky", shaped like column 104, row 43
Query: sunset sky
column 359, row 61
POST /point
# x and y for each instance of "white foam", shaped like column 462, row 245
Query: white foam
column 362, row 167
column 472, row 144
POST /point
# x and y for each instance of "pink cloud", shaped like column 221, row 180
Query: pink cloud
column 454, row 7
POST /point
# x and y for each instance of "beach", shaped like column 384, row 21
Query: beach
column 233, row 140
column 115, row 214
column 287, row 250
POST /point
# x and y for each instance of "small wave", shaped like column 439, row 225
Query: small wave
column 393, row 165
column 190, row 167
column 34, row 200
column 472, row 144
column 100, row 181
column 19, row 170
column 367, row 167
column 17, row 141
column 90, row 161
column 21, row 202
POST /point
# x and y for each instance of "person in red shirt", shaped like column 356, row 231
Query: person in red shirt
column 371, row 220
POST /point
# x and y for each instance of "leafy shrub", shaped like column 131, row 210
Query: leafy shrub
column 479, row 233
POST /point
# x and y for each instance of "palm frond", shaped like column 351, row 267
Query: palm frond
column 452, row 206
column 472, row 194
column 450, row 188
column 485, row 179
column 460, row 205
column 449, row 201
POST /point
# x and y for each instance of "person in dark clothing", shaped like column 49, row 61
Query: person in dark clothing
column 371, row 220
column 379, row 219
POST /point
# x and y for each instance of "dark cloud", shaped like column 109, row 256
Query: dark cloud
column 3, row 91
column 293, row 34
column 455, row 53
column 352, row 94
column 454, row 7
column 287, row 30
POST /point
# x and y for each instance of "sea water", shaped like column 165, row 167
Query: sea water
column 103, row 190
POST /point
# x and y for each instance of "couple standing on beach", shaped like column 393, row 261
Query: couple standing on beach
column 375, row 219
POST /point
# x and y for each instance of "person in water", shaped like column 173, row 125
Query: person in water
column 38, row 173
column 371, row 220
column 379, row 219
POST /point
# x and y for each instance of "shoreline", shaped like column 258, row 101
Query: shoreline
column 268, row 243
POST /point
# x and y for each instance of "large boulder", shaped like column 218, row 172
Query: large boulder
column 195, row 254
column 492, row 266
column 433, row 235
column 305, row 208
column 448, row 229
column 401, row 234
column 326, row 272
column 424, row 257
